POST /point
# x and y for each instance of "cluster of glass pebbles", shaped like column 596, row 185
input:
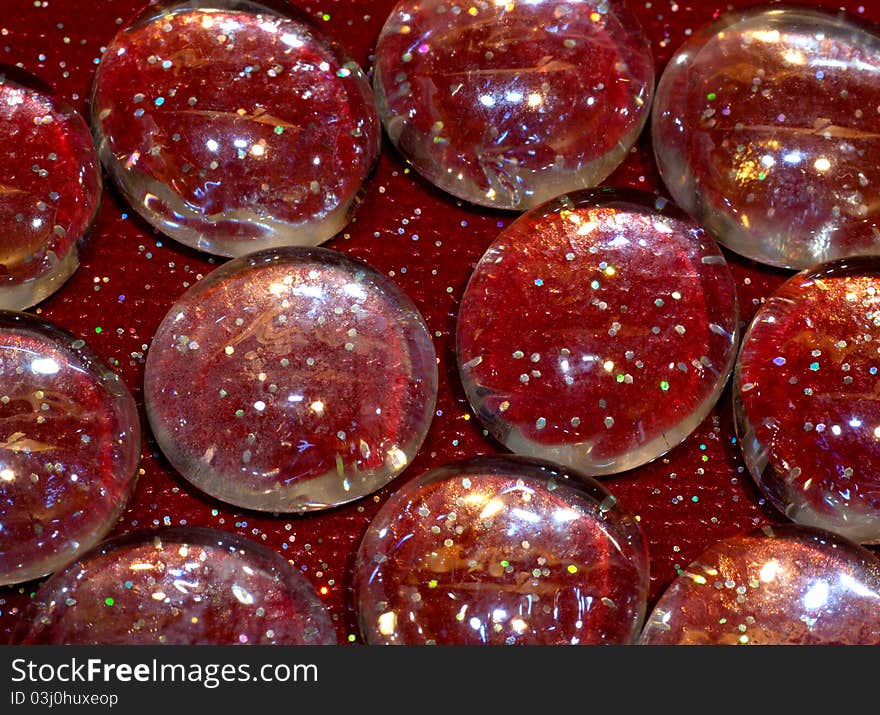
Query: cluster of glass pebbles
column 756, row 452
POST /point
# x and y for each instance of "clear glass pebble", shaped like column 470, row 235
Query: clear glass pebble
column 234, row 128
column 502, row 551
column 510, row 104
column 598, row 331
column 69, row 448
column 291, row 380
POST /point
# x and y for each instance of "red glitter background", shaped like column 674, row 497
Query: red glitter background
column 428, row 243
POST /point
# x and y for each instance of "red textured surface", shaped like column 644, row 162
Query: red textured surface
column 695, row 496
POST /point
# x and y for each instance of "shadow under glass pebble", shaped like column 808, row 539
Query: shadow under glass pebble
column 766, row 130
column 807, row 399
column 598, row 331
column 50, row 191
column 182, row 586
column 234, row 129
column 780, row 585
column 501, row 551
column 510, row 104
column 69, row 448
column 291, row 380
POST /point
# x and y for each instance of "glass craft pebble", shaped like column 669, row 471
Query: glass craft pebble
column 510, row 104
column 780, row 585
column 177, row 587
column 598, row 331
column 291, row 380
column 766, row 129
column 234, row 128
column 69, row 448
column 50, row 192
column 807, row 400
column 501, row 551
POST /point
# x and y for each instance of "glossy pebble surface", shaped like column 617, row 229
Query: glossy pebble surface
column 291, row 380
column 781, row 585
column 766, row 128
column 177, row 587
column 69, row 448
column 598, row 331
column 807, row 398
column 49, row 193
column 501, row 551
column 234, row 131
column 510, row 104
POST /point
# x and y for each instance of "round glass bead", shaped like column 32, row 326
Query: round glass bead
column 50, row 192
column 234, row 129
column 807, row 400
column 781, row 585
column 291, row 380
column 766, row 130
column 510, row 104
column 598, row 331
column 182, row 586
column 69, row 448
column 501, row 551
